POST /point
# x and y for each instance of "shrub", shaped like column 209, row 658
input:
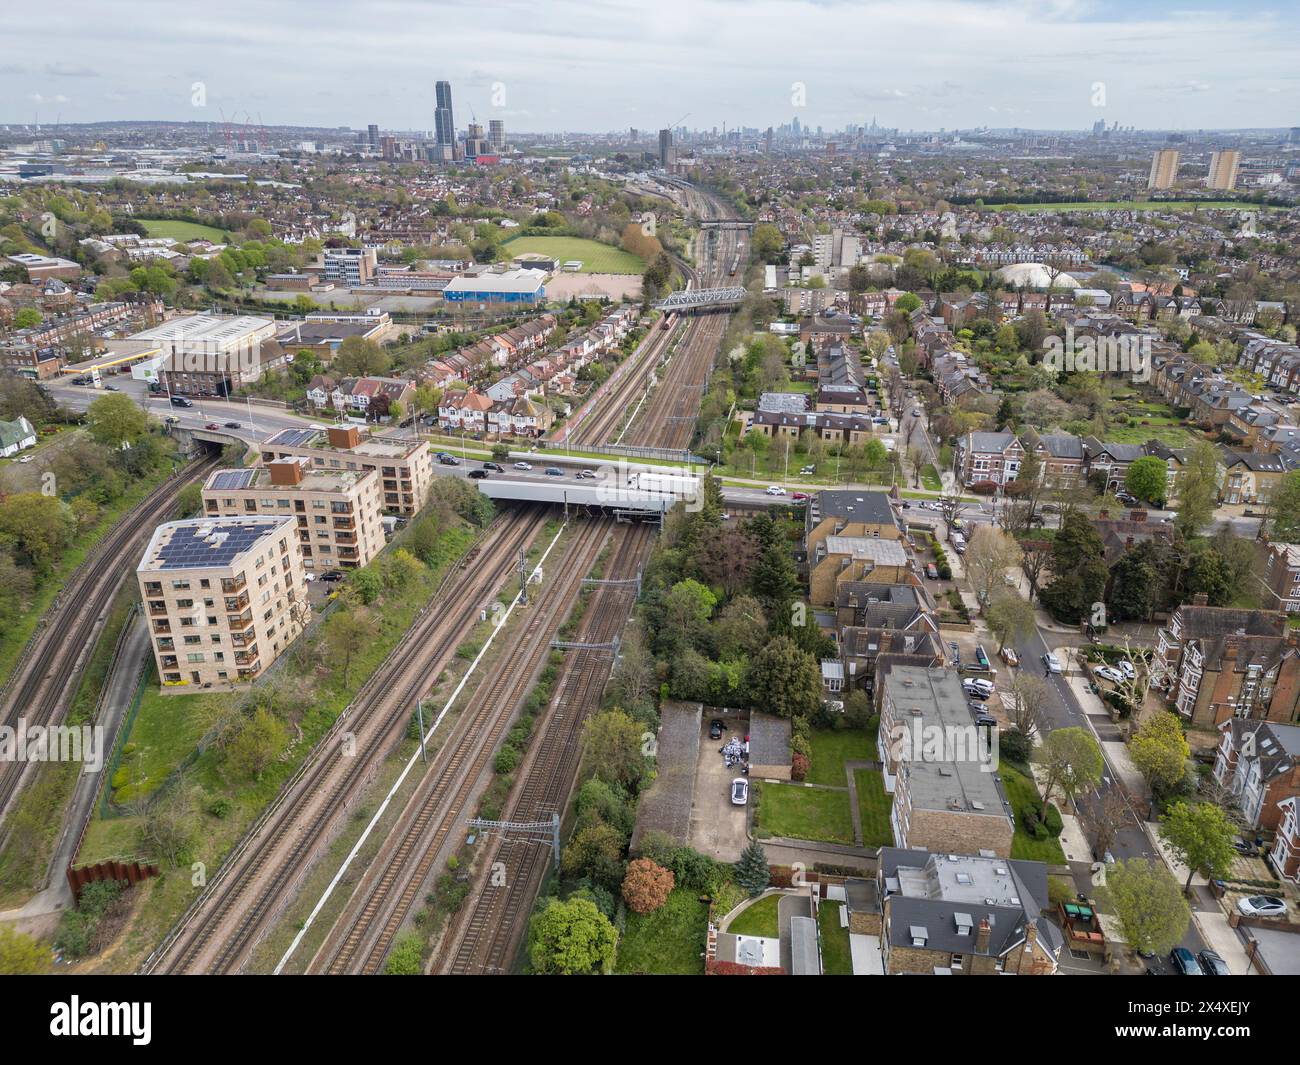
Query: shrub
column 405, row 959
column 506, row 761
column 1053, row 822
column 798, row 767
column 1015, row 746
column 647, row 885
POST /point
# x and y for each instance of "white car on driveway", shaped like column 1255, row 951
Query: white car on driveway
column 1126, row 667
column 739, row 791
column 1110, row 674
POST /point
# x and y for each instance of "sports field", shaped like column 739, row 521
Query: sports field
column 596, row 258
column 183, row 231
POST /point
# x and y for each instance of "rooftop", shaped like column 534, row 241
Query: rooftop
column 210, row 543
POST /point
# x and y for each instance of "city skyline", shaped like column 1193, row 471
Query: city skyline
column 607, row 67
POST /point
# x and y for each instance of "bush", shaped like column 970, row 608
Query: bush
column 1053, row 823
column 647, row 885
column 1035, row 827
column 1015, row 746
column 406, row 956
column 506, row 761
column 798, row 767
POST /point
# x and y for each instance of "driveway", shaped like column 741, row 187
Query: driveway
column 718, row 828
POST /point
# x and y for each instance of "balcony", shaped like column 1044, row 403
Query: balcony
column 153, row 588
column 238, row 584
column 162, row 626
column 157, row 608
column 344, row 523
column 239, row 622
column 169, row 661
column 167, row 644
column 234, row 603
column 248, row 657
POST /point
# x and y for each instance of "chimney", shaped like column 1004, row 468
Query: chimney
column 1230, row 649
column 286, row 471
column 344, row 436
column 982, row 937
column 1138, row 515
column 1201, row 599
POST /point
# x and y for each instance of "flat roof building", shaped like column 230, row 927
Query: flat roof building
column 203, row 354
column 338, row 512
column 224, row 598
column 514, row 286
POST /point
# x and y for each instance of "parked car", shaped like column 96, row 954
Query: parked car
column 1261, row 906
column 477, row 475
column 715, row 728
column 739, row 791
column 1051, row 663
column 807, row 470
column 932, row 571
column 1184, row 962
column 1126, row 668
column 522, row 466
column 1110, row 674
column 586, row 475
column 985, row 721
column 775, row 490
column 1212, row 964
column 332, row 576
column 1009, row 656
column 977, row 688
column 111, row 388
column 956, row 654
column 554, row 471
column 493, row 467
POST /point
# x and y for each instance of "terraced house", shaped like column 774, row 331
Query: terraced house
column 988, row 457
column 1259, row 763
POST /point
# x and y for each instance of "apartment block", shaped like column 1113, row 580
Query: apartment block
column 1164, row 169
column 1223, row 170
column 224, row 598
column 338, row 512
column 405, row 466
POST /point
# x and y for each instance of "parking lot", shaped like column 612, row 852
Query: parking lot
column 718, row 828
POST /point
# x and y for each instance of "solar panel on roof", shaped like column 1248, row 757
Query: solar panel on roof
column 233, row 479
column 211, row 544
column 294, row 437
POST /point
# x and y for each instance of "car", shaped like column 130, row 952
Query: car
column 981, row 656
column 171, row 419
column 715, row 728
column 739, row 791
column 775, row 490
column 232, row 425
column 1049, row 508
column 1126, row 667
column 26, row 459
column 477, row 475
column 587, row 475
column 493, row 467
column 522, row 466
column 978, row 687
column 932, row 571
column 985, row 721
column 332, row 576
column 1009, row 656
column 1184, row 962
column 111, row 388
column 1244, row 846
column 1261, row 906
column 1051, row 663
column 554, row 471
column 956, row 654
column 1212, row 964
column 212, row 425
column 1110, row 674
column 181, row 401
column 449, row 460
column 799, row 497
column 807, row 470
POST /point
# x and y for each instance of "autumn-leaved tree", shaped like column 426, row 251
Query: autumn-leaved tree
column 647, row 885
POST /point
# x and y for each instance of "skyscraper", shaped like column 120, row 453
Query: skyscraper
column 1223, row 170
column 1164, row 169
column 497, row 134
column 373, row 132
column 444, row 125
column 666, row 148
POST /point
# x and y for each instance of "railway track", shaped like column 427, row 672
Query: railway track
column 46, row 676
column 383, row 899
column 486, row 935
column 600, row 426
column 225, row 923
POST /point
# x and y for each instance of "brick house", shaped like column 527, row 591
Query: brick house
column 1257, row 762
column 1278, row 572
column 1059, row 454
column 1284, row 856
column 988, row 457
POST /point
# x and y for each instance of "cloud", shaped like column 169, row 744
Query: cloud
column 37, row 98
column 68, row 70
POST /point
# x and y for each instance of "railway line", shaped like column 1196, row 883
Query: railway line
column 383, row 899
column 46, row 676
column 225, row 923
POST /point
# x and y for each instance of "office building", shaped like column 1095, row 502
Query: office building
column 667, row 154
column 224, row 597
column 405, row 466
column 1223, row 170
column 338, row 512
column 497, row 134
column 444, row 125
column 1164, row 169
column 373, row 135
column 351, row 267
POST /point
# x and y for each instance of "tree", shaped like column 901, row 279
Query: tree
column 1079, row 570
column 647, row 885
column 27, row 318
column 1144, row 895
column 766, row 243
column 1008, row 616
column 1037, row 555
column 635, row 675
column 1104, row 819
column 1027, row 707
column 1072, row 763
column 346, row 633
column 1200, row 835
column 361, row 357
column 1284, row 508
column 38, row 526
column 21, row 955
column 596, row 851
column 1135, row 583
column 169, row 823
column 989, row 555
column 1160, row 751
column 259, row 742
column 115, row 420
column 951, row 507
column 752, row 872
column 1147, row 479
column 571, row 938
column 1197, row 489
column 785, row 680
column 614, row 748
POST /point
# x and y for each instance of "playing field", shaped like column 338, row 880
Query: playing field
column 183, row 231
column 1135, row 205
column 596, row 258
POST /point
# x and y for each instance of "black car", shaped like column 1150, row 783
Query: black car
column 715, row 728
column 449, row 460
column 181, row 401
column 478, row 475
column 1212, row 964
column 494, row 467
column 1184, row 962
column 232, row 425
column 332, row 576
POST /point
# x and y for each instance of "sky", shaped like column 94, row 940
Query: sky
column 597, row 65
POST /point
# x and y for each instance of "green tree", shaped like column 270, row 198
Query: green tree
column 751, row 871
column 1147, row 479
column 1072, row 763
column 1160, row 751
column 785, row 680
column 27, row 318
column 21, row 955
column 36, row 525
column 1285, row 508
column 614, row 748
column 1152, row 912
column 346, row 634
column 571, row 938
column 1200, row 835
column 1197, row 489
column 907, row 302
column 258, row 743
column 115, row 420
column 766, row 243
column 1079, row 570
column 1135, row 584
column 1008, row 616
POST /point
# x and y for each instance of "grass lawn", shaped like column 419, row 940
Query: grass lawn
column 166, row 729
column 837, row 958
column 1172, row 434
column 668, row 942
column 803, row 813
column 874, row 804
column 831, row 748
column 930, row 479
column 758, row 919
column 183, row 231
column 596, row 258
column 1022, row 793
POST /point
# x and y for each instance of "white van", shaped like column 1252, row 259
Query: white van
column 958, row 543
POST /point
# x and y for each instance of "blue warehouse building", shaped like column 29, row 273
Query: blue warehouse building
column 515, row 287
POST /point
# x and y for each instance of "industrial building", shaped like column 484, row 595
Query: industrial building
column 200, row 354
column 338, row 512
column 514, row 286
column 224, row 597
